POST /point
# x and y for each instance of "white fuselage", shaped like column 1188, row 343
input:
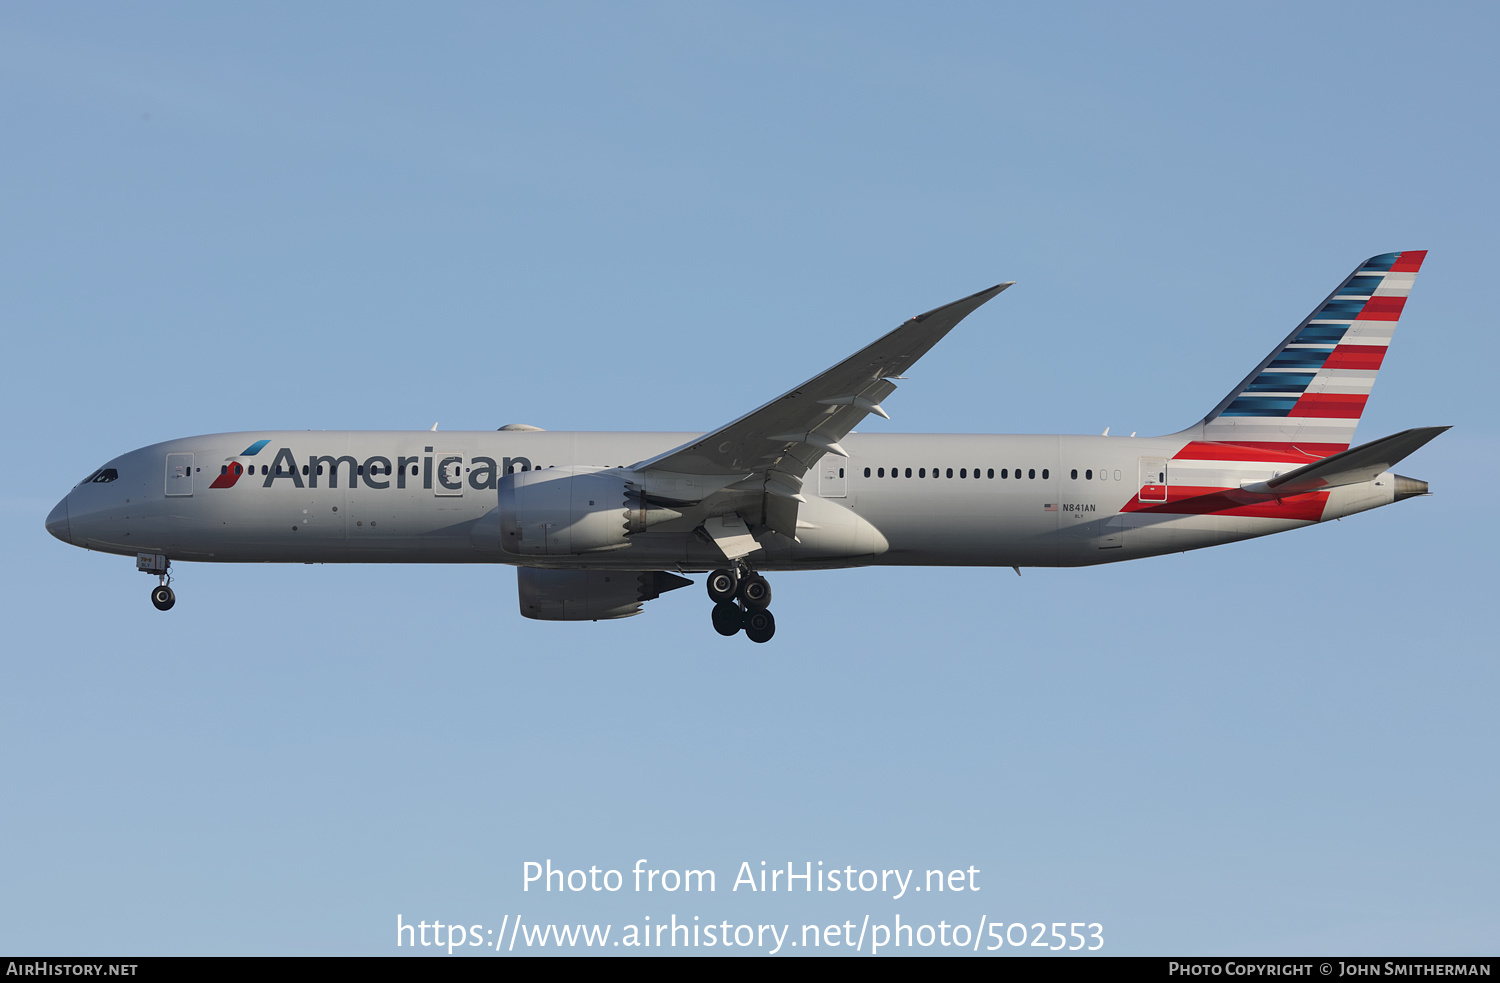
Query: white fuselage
column 924, row 499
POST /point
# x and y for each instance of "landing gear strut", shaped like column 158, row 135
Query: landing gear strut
column 161, row 595
column 741, row 597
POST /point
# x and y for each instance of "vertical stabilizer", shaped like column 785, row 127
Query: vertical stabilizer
column 1311, row 390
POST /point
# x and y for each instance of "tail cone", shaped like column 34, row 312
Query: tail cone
column 1409, row 487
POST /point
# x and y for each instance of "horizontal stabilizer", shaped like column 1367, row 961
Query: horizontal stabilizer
column 1350, row 467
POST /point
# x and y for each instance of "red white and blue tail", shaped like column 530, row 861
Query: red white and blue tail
column 1310, row 391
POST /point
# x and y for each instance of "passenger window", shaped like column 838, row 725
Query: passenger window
column 879, row 473
column 990, row 473
column 963, row 472
column 867, row 472
column 1088, row 475
column 921, row 472
column 1075, row 474
column 950, row 472
column 1045, row 472
column 1031, row 473
column 908, row 472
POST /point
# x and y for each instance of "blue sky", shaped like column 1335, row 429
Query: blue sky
column 658, row 216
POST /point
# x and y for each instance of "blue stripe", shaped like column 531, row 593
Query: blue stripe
column 255, row 448
column 1380, row 263
column 1363, row 286
column 1280, row 382
column 1321, row 334
column 1300, row 358
column 1339, row 310
column 1261, row 406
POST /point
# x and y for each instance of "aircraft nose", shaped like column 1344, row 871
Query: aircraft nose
column 57, row 522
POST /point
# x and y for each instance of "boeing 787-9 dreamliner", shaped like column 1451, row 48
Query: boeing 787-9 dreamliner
column 599, row 523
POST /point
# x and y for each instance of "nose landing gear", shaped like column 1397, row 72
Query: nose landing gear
column 161, row 595
column 741, row 598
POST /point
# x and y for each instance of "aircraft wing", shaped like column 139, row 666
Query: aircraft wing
column 772, row 447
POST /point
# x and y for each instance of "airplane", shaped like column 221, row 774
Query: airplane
column 600, row 523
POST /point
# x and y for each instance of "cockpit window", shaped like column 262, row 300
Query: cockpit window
column 91, row 477
column 103, row 475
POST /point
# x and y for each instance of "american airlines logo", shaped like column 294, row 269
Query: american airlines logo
column 443, row 472
column 231, row 472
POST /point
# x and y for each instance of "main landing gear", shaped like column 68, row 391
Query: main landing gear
column 161, row 595
column 741, row 597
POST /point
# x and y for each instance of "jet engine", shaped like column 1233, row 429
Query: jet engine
column 570, row 510
column 590, row 595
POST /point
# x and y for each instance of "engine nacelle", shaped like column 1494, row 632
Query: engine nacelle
column 590, row 595
column 571, row 510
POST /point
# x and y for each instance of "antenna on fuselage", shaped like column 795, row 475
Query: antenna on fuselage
column 434, row 426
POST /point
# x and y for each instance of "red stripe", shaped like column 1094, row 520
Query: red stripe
column 1382, row 309
column 1314, row 452
column 1203, row 450
column 1409, row 261
column 1340, row 407
column 1194, row 500
column 1356, row 357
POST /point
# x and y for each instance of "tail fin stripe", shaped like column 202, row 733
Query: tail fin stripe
column 1260, row 406
column 1340, row 310
column 1327, row 406
column 1382, row 309
column 1396, row 285
column 1362, row 285
column 1384, row 262
column 1300, row 358
column 1321, row 334
column 1280, row 382
column 1409, row 261
column 1356, row 357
